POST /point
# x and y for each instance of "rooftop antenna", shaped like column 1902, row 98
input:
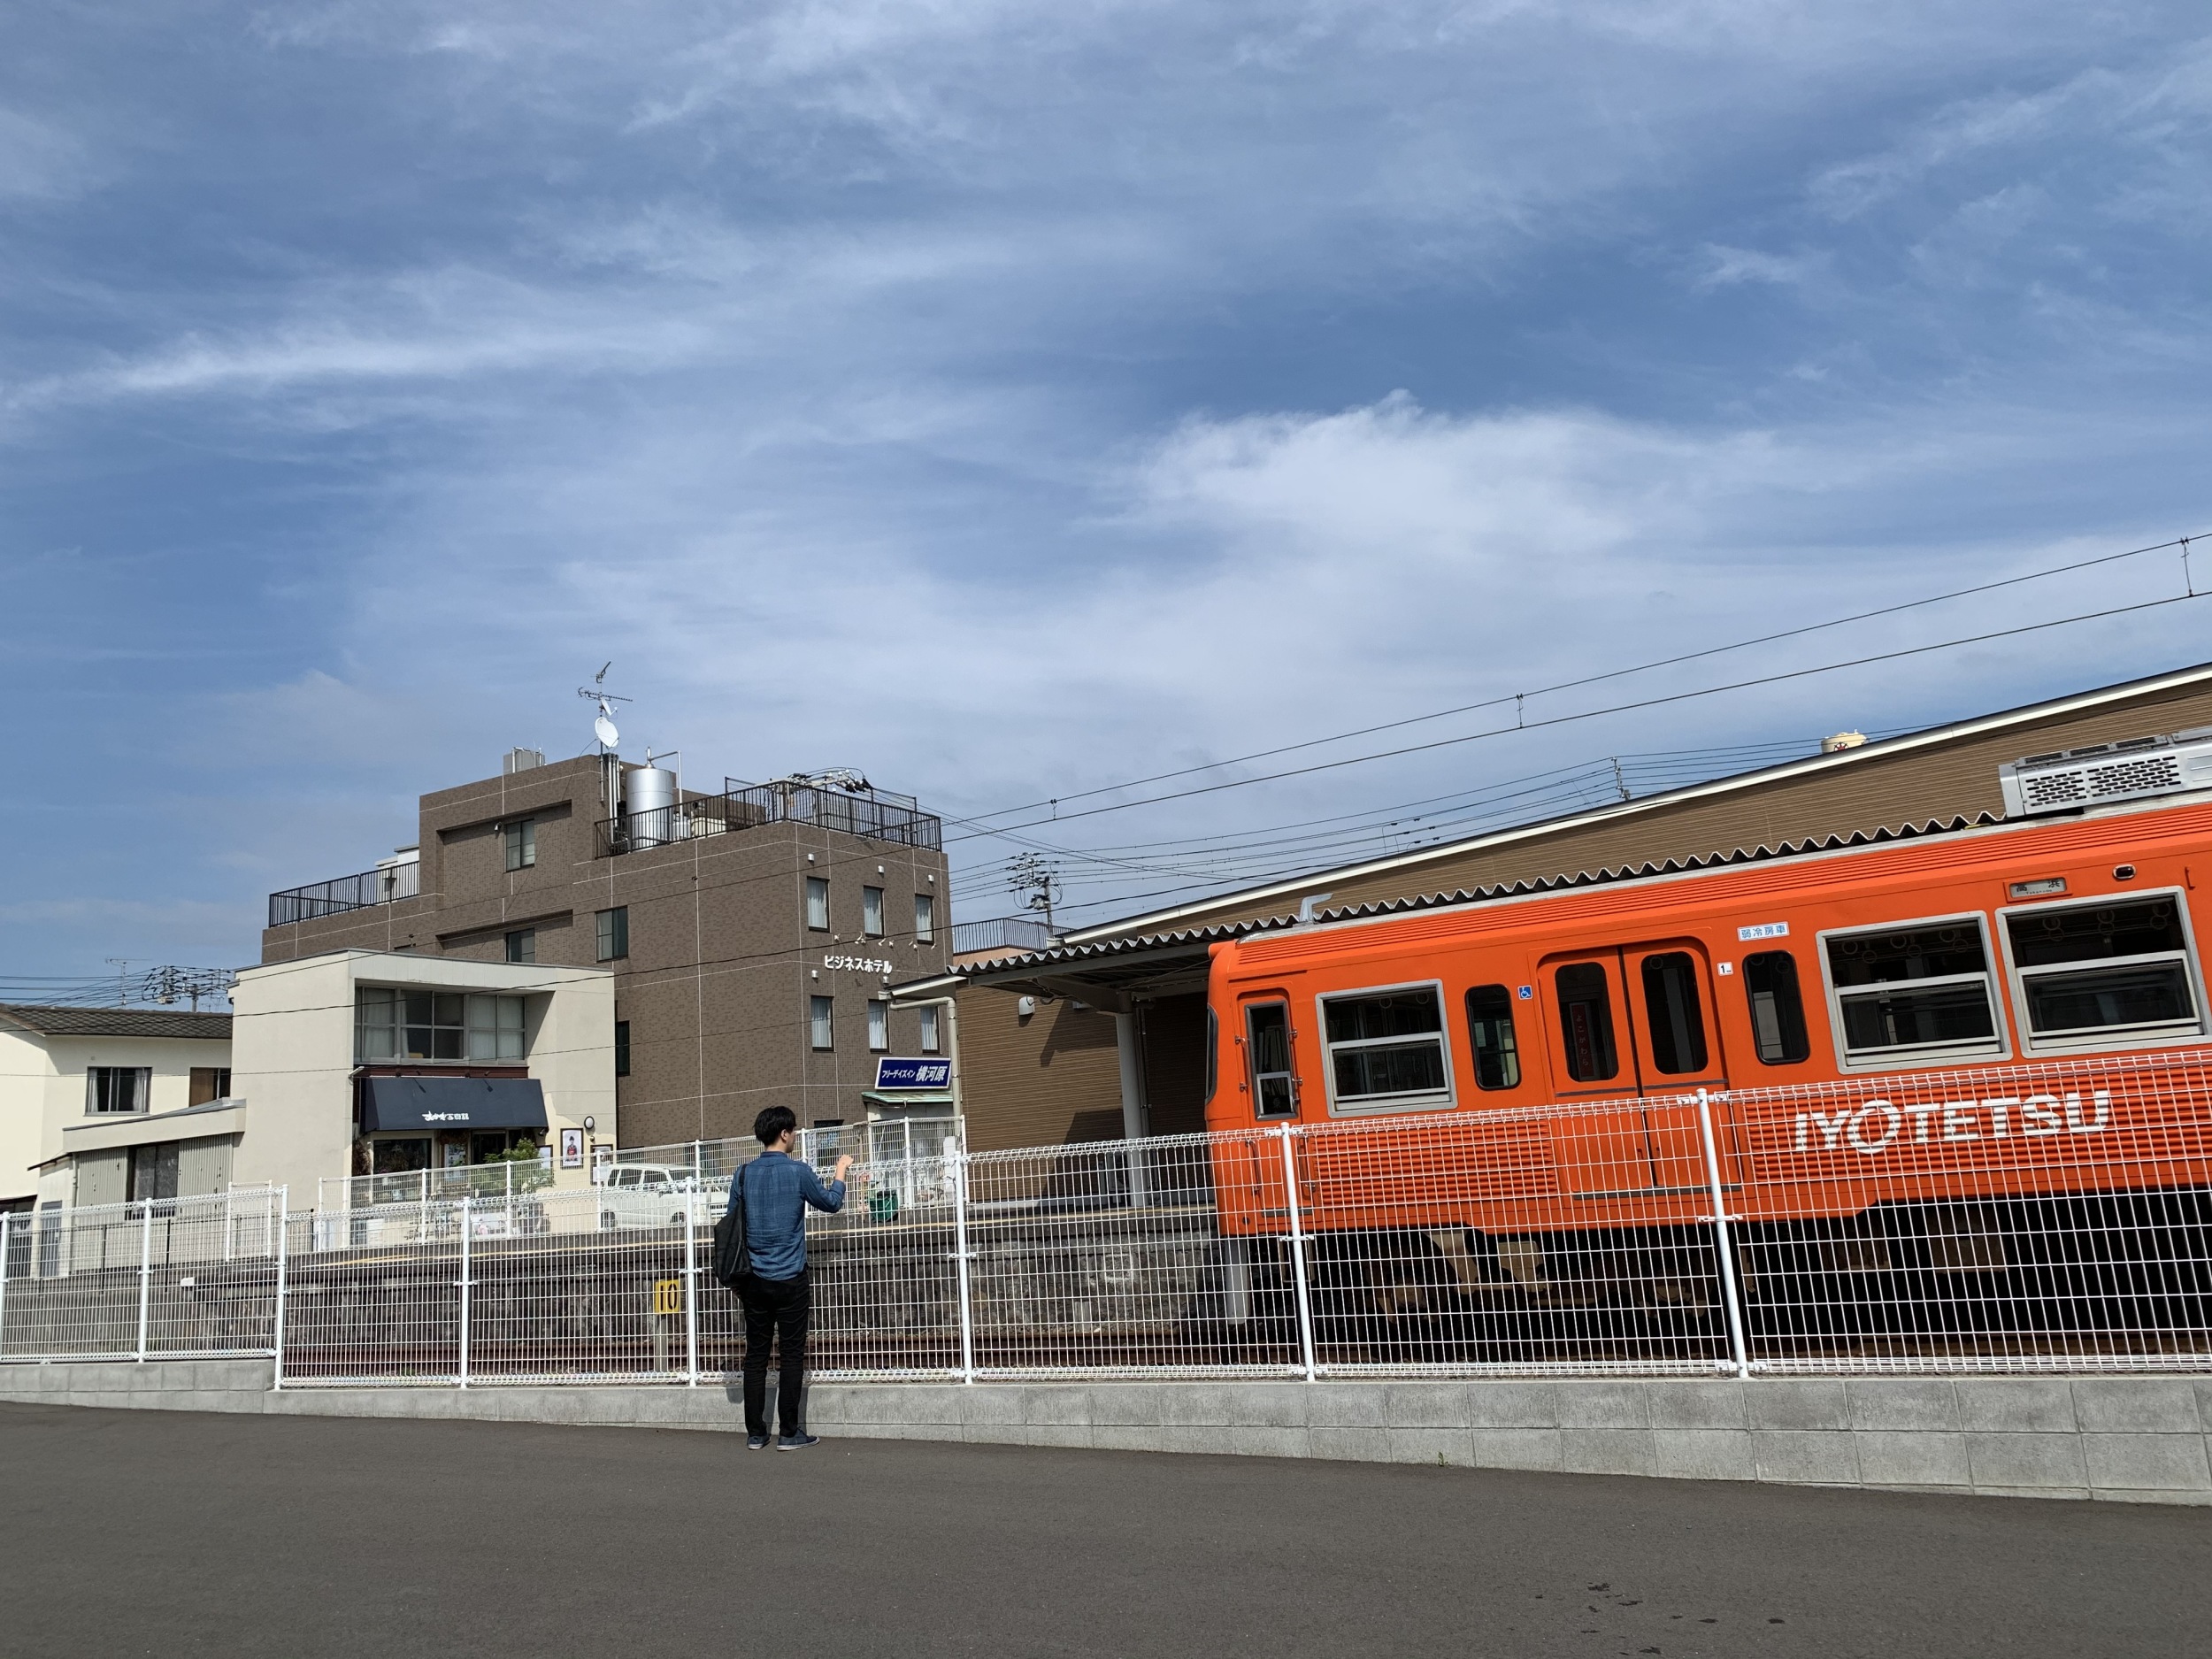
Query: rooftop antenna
column 603, row 727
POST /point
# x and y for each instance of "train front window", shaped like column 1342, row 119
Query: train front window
column 1267, row 1042
column 1914, row 993
column 1213, row 1053
column 1386, row 1048
column 1777, row 1008
column 1671, row 1007
column 1490, row 1036
column 2107, row 971
column 1586, row 1021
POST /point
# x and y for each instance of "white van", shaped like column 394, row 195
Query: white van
column 657, row 1196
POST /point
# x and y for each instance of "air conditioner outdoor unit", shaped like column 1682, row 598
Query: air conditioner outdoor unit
column 2126, row 771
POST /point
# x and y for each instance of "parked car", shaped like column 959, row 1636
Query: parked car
column 657, row 1196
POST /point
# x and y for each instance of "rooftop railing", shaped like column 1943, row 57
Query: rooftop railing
column 381, row 886
column 1001, row 933
column 742, row 806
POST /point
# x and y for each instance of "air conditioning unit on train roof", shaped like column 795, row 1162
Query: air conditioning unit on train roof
column 2127, row 771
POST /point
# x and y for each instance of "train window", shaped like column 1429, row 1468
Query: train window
column 2104, row 971
column 1386, row 1048
column 1267, row 1037
column 1921, row 992
column 1671, row 1006
column 1490, row 1032
column 1777, row 1010
column 1586, row 1021
column 1213, row 1052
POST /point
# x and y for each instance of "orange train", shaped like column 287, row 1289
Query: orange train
column 2011, row 1015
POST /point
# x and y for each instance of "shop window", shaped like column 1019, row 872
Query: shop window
column 871, row 912
column 1676, row 1022
column 1778, row 1008
column 118, row 1088
column 1267, row 1038
column 1914, row 993
column 821, row 1027
column 818, row 903
column 2107, row 971
column 879, row 1027
column 400, row 1155
column 930, row 1014
column 521, row 838
column 622, row 1048
column 1490, row 1037
column 925, row 918
column 614, row 934
column 1386, row 1047
column 1585, row 1022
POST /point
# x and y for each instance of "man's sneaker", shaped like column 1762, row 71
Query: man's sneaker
column 755, row 1442
column 797, row 1442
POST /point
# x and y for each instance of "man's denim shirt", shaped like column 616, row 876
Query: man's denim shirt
column 778, row 1189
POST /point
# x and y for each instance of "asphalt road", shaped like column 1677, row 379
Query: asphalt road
column 160, row 1532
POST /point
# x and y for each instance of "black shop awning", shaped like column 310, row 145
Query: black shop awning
column 451, row 1102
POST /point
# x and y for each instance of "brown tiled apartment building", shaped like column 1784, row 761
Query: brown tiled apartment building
column 751, row 931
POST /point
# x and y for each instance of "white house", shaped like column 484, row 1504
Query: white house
column 98, row 1105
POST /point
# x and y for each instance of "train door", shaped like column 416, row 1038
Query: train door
column 1271, row 1057
column 1632, row 1024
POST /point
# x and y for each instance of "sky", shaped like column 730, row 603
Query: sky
column 1008, row 400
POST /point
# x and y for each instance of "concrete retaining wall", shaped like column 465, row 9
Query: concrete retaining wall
column 2131, row 1438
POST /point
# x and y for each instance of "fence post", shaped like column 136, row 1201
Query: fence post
column 283, row 1238
column 1733, row 1303
column 691, row 1274
column 145, row 1277
column 5, row 1219
column 1298, row 1256
column 957, row 1159
column 461, row 1378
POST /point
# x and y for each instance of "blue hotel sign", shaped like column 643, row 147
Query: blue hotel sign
column 892, row 1073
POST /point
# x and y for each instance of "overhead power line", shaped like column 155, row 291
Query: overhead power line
column 979, row 826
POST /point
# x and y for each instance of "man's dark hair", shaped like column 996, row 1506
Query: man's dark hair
column 773, row 1123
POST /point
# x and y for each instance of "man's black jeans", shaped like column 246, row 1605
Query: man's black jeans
column 775, row 1310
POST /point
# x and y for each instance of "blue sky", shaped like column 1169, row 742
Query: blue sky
column 1009, row 398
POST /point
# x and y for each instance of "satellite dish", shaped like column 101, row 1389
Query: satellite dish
column 603, row 728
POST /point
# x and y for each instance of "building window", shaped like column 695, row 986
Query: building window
column 2107, row 971
column 522, row 843
column 522, row 945
column 614, row 932
column 925, row 918
column 1490, row 1034
column 871, row 912
column 153, row 1171
column 1914, row 993
column 1778, row 1008
column 1386, row 1048
column 622, row 1048
column 395, row 1025
column 818, row 1024
column 929, row 1012
column 118, row 1088
column 879, row 1027
column 818, row 903
column 208, row 1083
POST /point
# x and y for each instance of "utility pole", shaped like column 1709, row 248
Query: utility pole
column 1037, row 880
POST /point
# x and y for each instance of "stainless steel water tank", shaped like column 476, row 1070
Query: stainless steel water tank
column 650, row 798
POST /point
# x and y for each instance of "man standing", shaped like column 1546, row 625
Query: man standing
column 777, row 1187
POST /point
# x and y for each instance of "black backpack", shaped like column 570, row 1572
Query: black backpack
column 733, row 1254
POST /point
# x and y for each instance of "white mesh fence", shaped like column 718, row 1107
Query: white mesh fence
column 2047, row 1217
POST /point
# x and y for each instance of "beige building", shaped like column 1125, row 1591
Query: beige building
column 141, row 1091
column 361, row 1062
